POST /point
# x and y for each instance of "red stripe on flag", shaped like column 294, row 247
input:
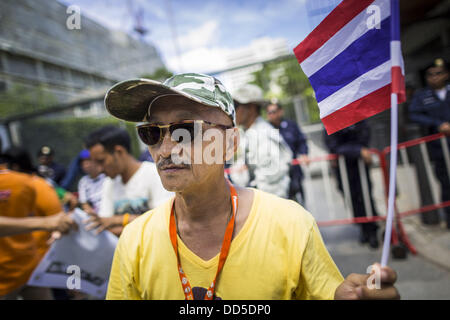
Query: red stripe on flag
column 358, row 110
column 398, row 83
column 339, row 17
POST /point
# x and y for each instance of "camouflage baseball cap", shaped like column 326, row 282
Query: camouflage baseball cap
column 131, row 100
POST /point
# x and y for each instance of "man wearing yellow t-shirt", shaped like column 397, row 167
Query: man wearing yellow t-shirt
column 213, row 240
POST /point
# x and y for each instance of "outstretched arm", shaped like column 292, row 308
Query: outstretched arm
column 60, row 222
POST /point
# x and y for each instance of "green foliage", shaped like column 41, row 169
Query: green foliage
column 21, row 99
column 160, row 75
column 66, row 135
column 284, row 80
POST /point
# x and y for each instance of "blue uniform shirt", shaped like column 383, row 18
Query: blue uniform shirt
column 349, row 141
column 428, row 110
column 294, row 137
column 296, row 141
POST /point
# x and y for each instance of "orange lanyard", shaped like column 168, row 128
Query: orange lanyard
column 223, row 251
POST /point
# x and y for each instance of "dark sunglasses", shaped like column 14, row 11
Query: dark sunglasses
column 151, row 134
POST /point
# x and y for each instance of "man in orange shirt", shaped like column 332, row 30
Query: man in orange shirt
column 18, row 199
column 47, row 202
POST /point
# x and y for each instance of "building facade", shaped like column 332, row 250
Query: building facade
column 40, row 47
column 242, row 63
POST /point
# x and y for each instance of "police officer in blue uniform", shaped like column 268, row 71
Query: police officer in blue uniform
column 48, row 168
column 430, row 107
column 352, row 142
column 296, row 141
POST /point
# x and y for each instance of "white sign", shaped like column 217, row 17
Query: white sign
column 79, row 260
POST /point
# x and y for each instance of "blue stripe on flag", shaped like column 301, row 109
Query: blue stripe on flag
column 364, row 54
column 395, row 14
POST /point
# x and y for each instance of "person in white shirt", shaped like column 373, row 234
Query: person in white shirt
column 130, row 188
column 90, row 186
column 262, row 148
column 141, row 193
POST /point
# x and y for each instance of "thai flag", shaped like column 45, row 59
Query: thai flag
column 353, row 61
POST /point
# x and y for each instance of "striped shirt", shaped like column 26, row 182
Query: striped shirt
column 90, row 190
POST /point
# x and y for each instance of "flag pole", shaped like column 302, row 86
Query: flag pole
column 392, row 180
column 395, row 21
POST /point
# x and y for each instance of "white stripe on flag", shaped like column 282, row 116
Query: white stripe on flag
column 396, row 55
column 362, row 86
column 343, row 38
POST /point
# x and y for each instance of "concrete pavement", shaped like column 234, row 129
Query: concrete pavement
column 422, row 276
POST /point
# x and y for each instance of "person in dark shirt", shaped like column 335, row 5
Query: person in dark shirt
column 296, row 140
column 74, row 172
column 47, row 167
column 146, row 156
column 430, row 107
column 352, row 143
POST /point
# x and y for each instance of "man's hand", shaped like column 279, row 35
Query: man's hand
column 304, row 159
column 100, row 224
column 71, row 200
column 88, row 209
column 366, row 155
column 445, row 128
column 355, row 286
column 60, row 222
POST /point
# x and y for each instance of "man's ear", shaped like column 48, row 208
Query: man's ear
column 120, row 150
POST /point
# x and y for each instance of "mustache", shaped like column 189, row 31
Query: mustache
column 168, row 161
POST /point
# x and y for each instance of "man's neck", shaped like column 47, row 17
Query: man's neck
column 130, row 169
column 202, row 217
column 204, row 205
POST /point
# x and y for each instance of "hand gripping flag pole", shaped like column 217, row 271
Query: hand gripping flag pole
column 396, row 87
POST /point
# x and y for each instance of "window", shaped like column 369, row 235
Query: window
column 80, row 79
column 53, row 72
column 22, row 66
